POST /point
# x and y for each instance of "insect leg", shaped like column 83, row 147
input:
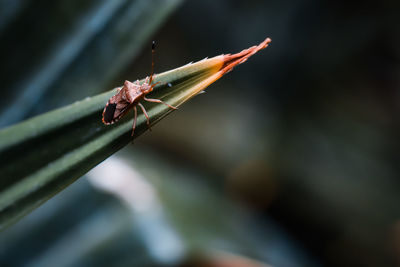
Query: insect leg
column 145, row 114
column 159, row 101
column 134, row 120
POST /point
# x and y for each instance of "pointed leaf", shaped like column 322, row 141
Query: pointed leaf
column 43, row 155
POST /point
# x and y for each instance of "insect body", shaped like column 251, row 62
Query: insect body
column 129, row 96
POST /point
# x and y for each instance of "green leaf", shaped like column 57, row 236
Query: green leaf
column 43, row 155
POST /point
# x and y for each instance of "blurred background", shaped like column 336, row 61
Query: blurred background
column 290, row 160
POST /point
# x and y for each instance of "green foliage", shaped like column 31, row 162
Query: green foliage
column 43, row 155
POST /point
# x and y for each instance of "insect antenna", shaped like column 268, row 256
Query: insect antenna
column 153, row 49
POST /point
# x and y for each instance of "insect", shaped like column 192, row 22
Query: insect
column 129, row 96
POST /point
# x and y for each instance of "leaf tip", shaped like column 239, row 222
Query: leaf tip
column 231, row 60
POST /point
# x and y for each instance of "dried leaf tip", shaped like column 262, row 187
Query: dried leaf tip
column 231, row 61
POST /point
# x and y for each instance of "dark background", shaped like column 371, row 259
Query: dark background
column 303, row 138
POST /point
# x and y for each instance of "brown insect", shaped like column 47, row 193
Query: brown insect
column 129, row 97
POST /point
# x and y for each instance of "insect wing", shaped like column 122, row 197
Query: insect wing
column 113, row 111
column 108, row 113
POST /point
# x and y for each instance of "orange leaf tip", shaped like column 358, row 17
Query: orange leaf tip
column 230, row 61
